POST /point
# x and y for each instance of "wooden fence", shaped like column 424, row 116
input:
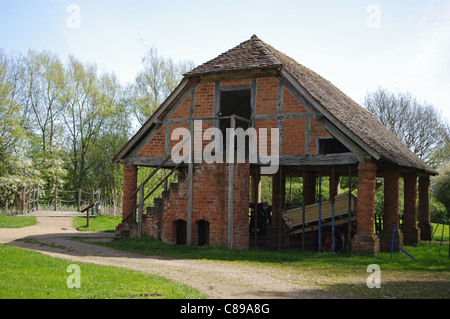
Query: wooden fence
column 33, row 199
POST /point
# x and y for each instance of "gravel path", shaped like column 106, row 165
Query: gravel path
column 217, row 279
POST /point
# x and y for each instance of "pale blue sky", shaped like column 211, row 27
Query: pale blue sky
column 405, row 47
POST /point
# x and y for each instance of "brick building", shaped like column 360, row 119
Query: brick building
column 321, row 131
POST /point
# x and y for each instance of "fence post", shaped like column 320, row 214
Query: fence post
column 33, row 199
column 37, row 198
column 23, row 200
column 56, row 198
column 79, row 200
column 140, row 211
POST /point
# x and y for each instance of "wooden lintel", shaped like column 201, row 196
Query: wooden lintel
column 318, row 160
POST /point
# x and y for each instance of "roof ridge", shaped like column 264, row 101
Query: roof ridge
column 266, row 50
column 250, row 54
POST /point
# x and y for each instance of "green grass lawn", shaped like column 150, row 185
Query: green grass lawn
column 97, row 224
column 16, row 221
column 438, row 232
column 427, row 277
column 26, row 274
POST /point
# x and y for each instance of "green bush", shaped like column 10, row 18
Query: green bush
column 438, row 212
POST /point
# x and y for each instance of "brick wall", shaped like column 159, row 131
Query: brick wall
column 210, row 196
column 211, row 181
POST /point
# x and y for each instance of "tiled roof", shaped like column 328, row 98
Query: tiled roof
column 248, row 55
column 255, row 54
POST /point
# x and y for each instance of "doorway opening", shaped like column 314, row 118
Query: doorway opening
column 180, row 232
column 202, row 233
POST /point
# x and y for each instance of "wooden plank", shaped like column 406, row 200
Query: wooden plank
column 293, row 217
column 318, row 160
column 341, row 221
column 238, row 87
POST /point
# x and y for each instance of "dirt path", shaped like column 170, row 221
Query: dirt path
column 217, row 279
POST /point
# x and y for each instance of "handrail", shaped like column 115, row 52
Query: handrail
column 165, row 160
column 162, row 180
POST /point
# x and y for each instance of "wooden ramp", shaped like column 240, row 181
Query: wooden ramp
column 294, row 217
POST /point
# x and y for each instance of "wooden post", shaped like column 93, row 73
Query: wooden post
column 332, row 198
column 23, row 200
column 256, row 201
column 33, row 199
column 79, row 200
column 282, row 185
column 37, row 198
column 303, row 212
column 231, row 183
column 190, row 185
column 319, row 249
column 56, row 198
column 87, row 218
column 349, row 217
column 140, row 210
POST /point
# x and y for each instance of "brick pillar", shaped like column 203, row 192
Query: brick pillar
column 365, row 240
column 309, row 188
column 391, row 212
column 129, row 186
column 425, row 226
column 241, row 237
column 411, row 232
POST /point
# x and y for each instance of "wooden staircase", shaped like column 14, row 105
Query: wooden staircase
column 134, row 228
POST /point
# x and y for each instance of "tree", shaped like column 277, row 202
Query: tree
column 12, row 133
column 441, row 186
column 44, row 78
column 89, row 100
column 419, row 125
column 154, row 83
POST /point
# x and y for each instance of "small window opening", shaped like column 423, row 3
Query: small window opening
column 331, row 146
column 237, row 103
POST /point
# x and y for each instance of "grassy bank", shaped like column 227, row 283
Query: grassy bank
column 16, row 221
column 97, row 224
column 26, row 274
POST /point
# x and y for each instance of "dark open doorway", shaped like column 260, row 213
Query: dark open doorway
column 203, row 233
column 237, row 103
column 180, row 232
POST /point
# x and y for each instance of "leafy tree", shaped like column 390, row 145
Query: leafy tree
column 159, row 77
column 89, row 100
column 44, row 80
column 419, row 125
